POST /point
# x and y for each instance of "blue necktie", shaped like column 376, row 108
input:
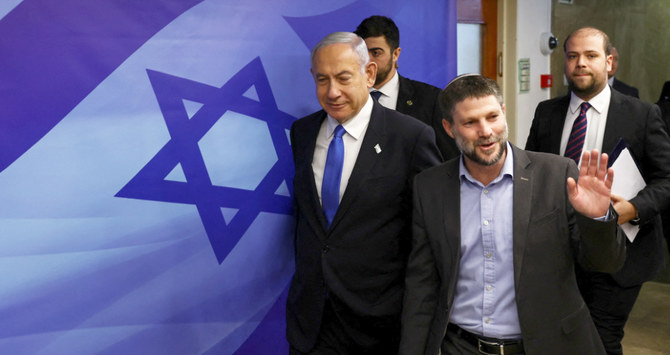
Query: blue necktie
column 573, row 149
column 332, row 174
column 376, row 94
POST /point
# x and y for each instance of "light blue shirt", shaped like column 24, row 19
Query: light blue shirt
column 484, row 301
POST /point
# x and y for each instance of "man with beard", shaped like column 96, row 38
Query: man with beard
column 496, row 235
column 602, row 117
column 396, row 92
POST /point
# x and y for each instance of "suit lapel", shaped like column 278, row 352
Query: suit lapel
column 366, row 160
column 615, row 123
column 523, row 183
column 450, row 211
column 405, row 101
column 305, row 175
column 558, row 113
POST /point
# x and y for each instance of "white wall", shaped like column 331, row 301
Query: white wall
column 533, row 18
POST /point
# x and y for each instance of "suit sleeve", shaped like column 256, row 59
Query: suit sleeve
column 293, row 140
column 531, row 141
column 421, row 287
column 655, row 197
column 602, row 245
column 296, row 210
column 425, row 153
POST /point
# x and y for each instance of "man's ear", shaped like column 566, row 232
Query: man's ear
column 609, row 59
column 370, row 73
column 447, row 127
column 396, row 54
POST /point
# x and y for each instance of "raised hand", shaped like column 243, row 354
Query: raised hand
column 590, row 194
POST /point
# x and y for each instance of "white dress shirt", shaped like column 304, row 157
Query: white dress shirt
column 390, row 90
column 353, row 139
column 596, row 118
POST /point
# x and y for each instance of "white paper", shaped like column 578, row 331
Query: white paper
column 627, row 183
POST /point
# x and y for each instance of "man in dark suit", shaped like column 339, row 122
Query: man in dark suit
column 346, row 294
column 496, row 235
column 611, row 116
column 410, row 97
column 617, row 84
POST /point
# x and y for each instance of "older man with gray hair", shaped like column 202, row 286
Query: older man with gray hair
column 354, row 165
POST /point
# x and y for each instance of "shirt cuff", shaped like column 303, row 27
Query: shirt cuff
column 608, row 216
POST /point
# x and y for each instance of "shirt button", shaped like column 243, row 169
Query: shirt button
column 488, row 255
column 488, row 287
column 487, row 320
column 486, row 223
column 486, row 191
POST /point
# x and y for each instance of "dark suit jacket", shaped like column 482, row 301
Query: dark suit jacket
column 640, row 125
column 549, row 237
column 664, row 105
column 624, row 88
column 360, row 260
column 419, row 100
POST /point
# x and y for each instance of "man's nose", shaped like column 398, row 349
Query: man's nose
column 581, row 61
column 485, row 130
column 333, row 90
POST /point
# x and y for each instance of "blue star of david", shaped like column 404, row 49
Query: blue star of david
column 150, row 182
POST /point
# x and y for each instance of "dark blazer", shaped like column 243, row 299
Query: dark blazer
column 664, row 105
column 640, row 125
column 624, row 88
column 549, row 237
column 419, row 100
column 360, row 260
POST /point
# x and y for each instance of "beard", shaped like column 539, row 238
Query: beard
column 586, row 89
column 469, row 148
column 383, row 72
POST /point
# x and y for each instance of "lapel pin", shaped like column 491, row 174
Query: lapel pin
column 410, row 103
column 378, row 149
column 524, row 178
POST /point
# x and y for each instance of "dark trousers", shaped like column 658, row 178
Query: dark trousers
column 610, row 305
column 344, row 334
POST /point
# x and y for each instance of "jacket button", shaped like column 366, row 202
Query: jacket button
column 325, row 249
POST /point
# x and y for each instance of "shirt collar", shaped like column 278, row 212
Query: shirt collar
column 356, row 126
column 598, row 102
column 391, row 86
column 507, row 169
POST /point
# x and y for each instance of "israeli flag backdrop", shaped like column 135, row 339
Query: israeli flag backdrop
column 145, row 165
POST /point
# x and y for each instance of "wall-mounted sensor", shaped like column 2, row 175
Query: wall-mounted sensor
column 548, row 42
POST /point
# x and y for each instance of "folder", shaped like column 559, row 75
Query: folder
column 628, row 180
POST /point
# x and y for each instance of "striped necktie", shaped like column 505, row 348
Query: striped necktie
column 578, row 134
